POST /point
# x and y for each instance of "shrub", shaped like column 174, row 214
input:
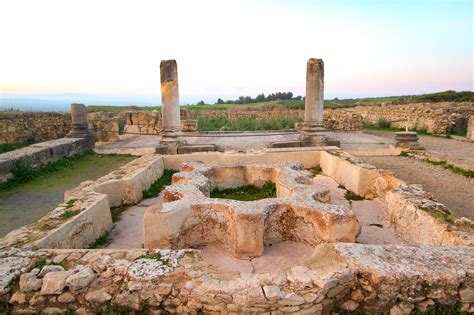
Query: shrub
column 23, row 170
column 383, row 122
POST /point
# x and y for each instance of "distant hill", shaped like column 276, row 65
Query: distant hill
column 37, row 105
column 28, row 104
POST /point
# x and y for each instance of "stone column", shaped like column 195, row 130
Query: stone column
column 79, row 125
column 314, row 101
column 171, row 120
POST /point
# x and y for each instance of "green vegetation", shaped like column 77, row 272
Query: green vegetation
column 43, row 262
column 24, row 172
column 352, row 196
column 70, row 203
column 110, row 310
column 436, row 309
column 316, row 170
column 453, row 168
column 159, row 184
column 40, row 263
column 246, row 193
column 6, row 147
column 244, row 124
column 383, row 122
column 376, row 127
column 441, row 309
column 404, row 154
column 69, row 214
column 101, row 241
column 156, row 256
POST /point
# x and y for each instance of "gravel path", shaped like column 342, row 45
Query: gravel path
column 454, row 190
column 459, row 153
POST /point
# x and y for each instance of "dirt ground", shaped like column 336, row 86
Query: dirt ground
column 454, row 190
column 459, row 153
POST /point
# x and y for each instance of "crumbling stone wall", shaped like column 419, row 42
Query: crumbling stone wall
column 351, row 277
column 18, row 126
column 434, row 117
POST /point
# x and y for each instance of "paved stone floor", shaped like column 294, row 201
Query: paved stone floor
column 253, row 140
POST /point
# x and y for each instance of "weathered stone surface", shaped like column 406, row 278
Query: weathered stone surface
column 29, row 282
column 10, row 269
column 66, row 297
column 49, row 268
column 314, row 101
column 170, row 96
column 272, row 292
column 54, row 282
column 81, row 279
column 98, row 297
column 18, row 126
column 467, row 295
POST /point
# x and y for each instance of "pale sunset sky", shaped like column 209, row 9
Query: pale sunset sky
column 108, row 52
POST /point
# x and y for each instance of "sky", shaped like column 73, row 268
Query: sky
column 108, row 52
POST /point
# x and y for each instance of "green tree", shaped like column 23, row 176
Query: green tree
column 220, row 101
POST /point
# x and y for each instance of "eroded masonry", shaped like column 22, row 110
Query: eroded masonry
column 339, row 234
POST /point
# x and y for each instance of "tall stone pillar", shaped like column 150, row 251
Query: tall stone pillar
column 171, row 120
column 79, row 125
column 314, row 101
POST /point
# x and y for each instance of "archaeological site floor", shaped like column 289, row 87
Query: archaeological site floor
column 340, row 235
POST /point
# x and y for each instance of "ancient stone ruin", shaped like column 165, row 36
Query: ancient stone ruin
column 339, row 235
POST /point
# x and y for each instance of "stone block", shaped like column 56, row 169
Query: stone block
column 186, row 149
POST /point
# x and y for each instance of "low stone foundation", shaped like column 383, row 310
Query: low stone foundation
column 40, row 154
column 338, row 276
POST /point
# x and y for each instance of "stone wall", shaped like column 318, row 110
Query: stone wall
column 341, row 276
column 434, row 117
column 40, row 154
column 18, row 127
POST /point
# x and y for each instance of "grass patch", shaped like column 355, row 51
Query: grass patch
column 68, row 214
column 40, row 263
column 316, row 170
column 110, row 310
column 70, row 203
column 404, row 154
column 101, row 241
column 377, row 127
column 159, row 184
column 156, row 256
column 352, row 196
column 245, row 124
column 23, row 170
column 247, row 192
column 453, row 168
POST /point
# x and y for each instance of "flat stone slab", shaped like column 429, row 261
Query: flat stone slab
column 196, row 148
